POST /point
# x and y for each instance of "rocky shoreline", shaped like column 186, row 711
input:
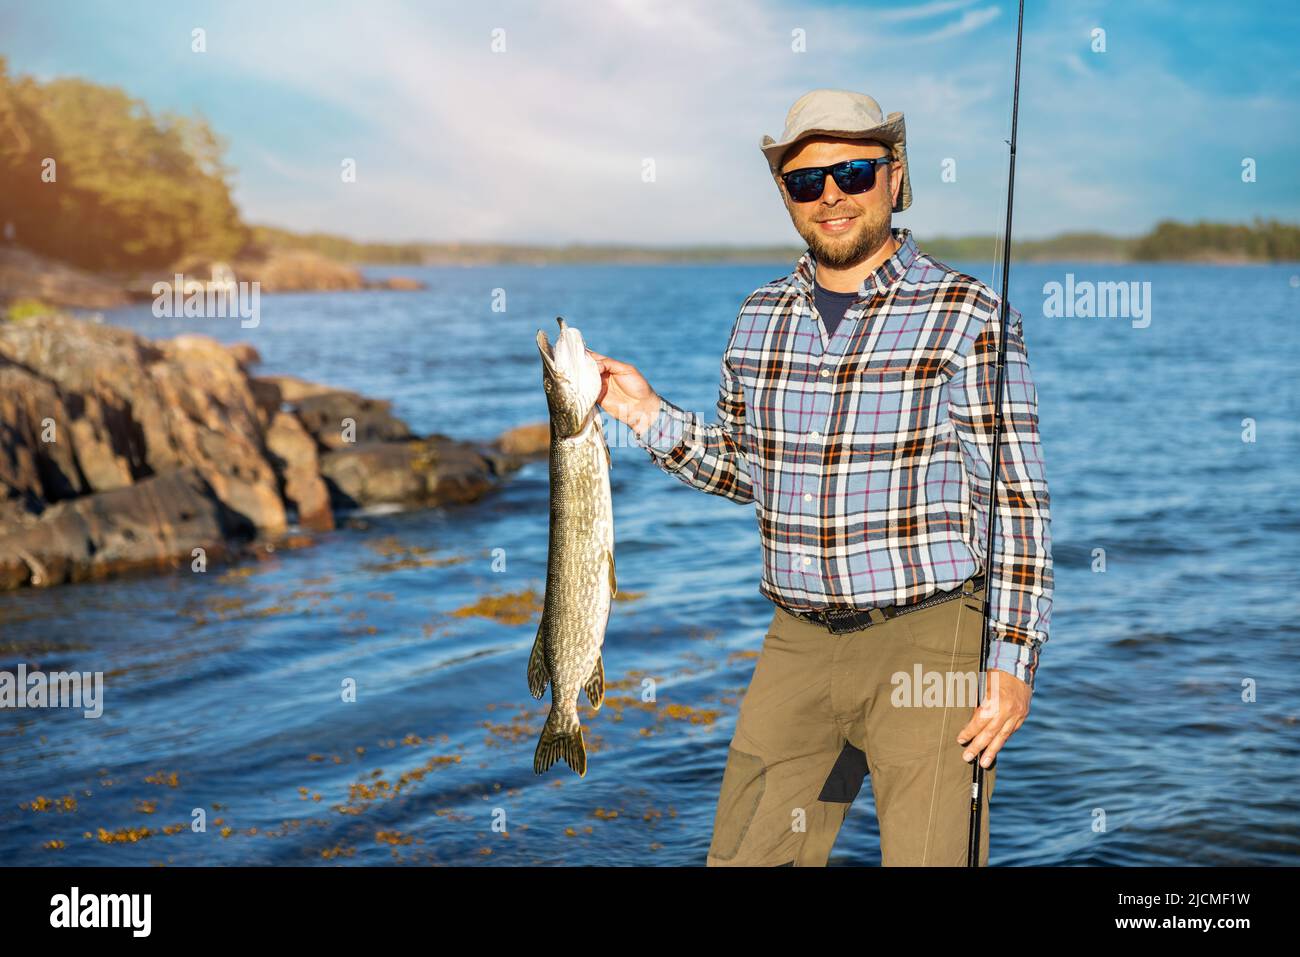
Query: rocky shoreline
column 119, row 453
column 24, row 275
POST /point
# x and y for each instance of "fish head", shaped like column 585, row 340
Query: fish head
column 570, row 378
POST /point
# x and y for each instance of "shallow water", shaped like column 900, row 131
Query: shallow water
column 230, row 681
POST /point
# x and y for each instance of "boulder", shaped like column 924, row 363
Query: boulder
column 293, row 452
column 530, row 441
column 288, row 388
column 119, row 453
column 155, row 523
column 33, row 471
column 295, row 270
column 335, row 416
column 145, row 409
column 422, row 472
column 245, row 354
column 26, row 275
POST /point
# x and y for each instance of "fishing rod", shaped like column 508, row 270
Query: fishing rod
column 977, row 774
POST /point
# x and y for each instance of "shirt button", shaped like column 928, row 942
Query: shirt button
column 813, row 435
column 807, row 560
column 825, row 372
column 807, row 496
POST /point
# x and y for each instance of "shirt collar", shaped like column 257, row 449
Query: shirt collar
column 885, row 276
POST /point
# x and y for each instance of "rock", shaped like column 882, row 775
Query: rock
column 155, row 523
column 289, row 443
column 295, row 270
column 266, row 395
column 96, row 425
column 32, row 470
column 422, row 472
column 119, row 453
column 331, row 417
column 149, row 410
column 402, row 283
column 289, row 388
column 26, row 275
column 530, row 441
column 245, row 354
column 218, row 429
column 293, row 453
column 310, row 497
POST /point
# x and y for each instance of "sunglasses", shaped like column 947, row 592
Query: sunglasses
column 852, row 177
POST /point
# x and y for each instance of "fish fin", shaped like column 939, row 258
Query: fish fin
column 613, row 576
column 609, row 462
column 595, row 686
column 538, row 676
column 552, row 746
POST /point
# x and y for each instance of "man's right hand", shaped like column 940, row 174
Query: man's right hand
column 625, row 394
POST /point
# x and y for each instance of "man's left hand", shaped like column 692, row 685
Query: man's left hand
column 1003, row 711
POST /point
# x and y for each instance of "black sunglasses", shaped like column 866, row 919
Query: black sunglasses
column 852, row 176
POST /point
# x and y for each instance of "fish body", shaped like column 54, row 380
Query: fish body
column 580, row 579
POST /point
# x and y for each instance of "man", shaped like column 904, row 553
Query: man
column 856, row 412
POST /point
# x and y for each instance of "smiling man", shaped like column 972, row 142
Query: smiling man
column 856, row 411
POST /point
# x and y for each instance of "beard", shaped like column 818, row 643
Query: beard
column 842, row 252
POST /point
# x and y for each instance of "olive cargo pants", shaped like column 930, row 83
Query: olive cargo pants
column 824, row 709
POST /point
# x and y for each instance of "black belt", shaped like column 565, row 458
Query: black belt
column 841, row 620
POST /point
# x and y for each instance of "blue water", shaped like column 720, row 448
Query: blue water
column 231, row 680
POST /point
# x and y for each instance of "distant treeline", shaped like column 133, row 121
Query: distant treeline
column 1261, row 241
column 427, row 253
column 1264, row 240
column 91, row 177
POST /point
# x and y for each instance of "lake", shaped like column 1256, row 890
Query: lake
column 1167, row 699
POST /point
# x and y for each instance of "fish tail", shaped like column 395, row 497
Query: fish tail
column 556, row 745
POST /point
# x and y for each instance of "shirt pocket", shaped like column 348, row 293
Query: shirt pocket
column 896, row 409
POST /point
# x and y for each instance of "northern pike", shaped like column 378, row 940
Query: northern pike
column 580, row 580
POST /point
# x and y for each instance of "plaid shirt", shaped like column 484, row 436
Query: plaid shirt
column 867, row 453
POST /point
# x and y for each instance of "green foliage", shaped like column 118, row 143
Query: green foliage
column 25, row 308
column 129, row 191
column 1268, row 240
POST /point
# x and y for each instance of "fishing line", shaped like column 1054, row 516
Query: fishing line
column 938, row 757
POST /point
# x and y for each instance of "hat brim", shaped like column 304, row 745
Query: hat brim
column 893, row 132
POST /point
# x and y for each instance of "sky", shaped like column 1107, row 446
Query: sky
column 547, row 140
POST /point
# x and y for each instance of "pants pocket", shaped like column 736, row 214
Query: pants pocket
column 950, row 630
column 743, row 783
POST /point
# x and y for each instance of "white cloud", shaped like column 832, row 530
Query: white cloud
column 545, row 142
column 970, row 20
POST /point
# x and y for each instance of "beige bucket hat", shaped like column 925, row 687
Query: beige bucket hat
column 842, row 113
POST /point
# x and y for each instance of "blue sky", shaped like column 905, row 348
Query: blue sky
column 545, row 141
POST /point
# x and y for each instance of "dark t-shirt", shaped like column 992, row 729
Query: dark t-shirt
column 832, row 305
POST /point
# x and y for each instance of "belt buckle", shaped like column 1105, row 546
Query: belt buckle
column 837, row 621
column 834, row 622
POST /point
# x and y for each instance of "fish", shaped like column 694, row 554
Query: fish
column 580, row 577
